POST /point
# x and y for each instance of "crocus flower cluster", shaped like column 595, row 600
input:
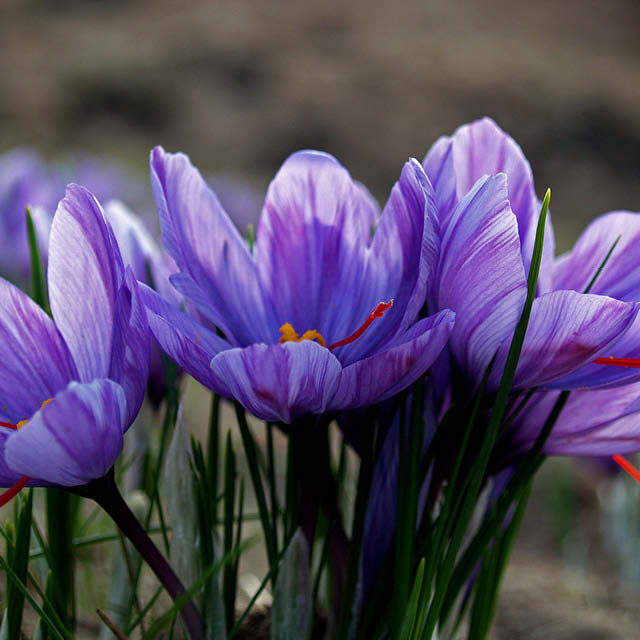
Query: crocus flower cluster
column 332, row 306
column 339, row 305
column 487, row 209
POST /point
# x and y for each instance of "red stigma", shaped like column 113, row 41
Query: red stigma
column 9, row 425
column 632, row 363
column 378, row 312
column 628, row 467
column 13, row 491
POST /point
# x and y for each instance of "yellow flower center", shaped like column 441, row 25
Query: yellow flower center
column 21, row 424
column 289, row 334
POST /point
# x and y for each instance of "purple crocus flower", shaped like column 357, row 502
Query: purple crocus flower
column 299, row 335
column 487, row 226
column 601, row 421
column 70, row 386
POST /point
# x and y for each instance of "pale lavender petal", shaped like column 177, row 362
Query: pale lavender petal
column 137, row 246
column 36, row 363
column 85, row 273
column 130, row 353
column 567, row 330
column 593, row 423
column 401, row 363
column 205, row 244
column 620, row 277
column 593, row 375
column 400, row 264
column 280, row 382
column 481, row 276
column 311, row 246
column 482, row 148
column 7, row 476
column 73, row 439
column 188, row 343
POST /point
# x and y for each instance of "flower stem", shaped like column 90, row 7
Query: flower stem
column 105, row 492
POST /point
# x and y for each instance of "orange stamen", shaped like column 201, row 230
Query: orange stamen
column 378, row 312
column 13, row 491
column 628, row 467
column 633, row 363
column 289, row 334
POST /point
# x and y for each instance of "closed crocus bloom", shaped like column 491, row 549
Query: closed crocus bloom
column 321, row 316
column 71, row 384
column 488, row 211
column 151, row 266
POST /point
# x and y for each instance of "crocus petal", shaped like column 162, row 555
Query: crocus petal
column 403, row 361
column 592, row 423
column 73, row 439
column 455, row 163
column 280, row 382
column 203, row 241
column 188, row 343
column 137, row 247
column 620, row 277
column 310, row 248
column 593, row 375
column 130, row 352
column 85, row 272
column 401, row 261
column 567, row 330
column 481, row 276
column 36, row 363
column 7, row 477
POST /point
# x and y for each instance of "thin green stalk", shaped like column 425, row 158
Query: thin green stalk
column 229, row 506
column 213, row 448
column 60, row 535
column 602, row 265
column 273, row 489
column 477, row 473
column 38, row 280
column 494, row 519
column 106, row 494
column 407, row 509
column 365, row 476
column 18, row 557
column 258, row 487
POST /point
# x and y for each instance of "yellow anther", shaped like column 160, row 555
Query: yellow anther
column 21, row 424
column 289, row 335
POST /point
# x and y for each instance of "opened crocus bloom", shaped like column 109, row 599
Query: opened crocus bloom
column 70, row 386
column 322, row 315
column 488, row 213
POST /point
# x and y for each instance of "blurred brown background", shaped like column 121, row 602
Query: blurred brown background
column 240, row 84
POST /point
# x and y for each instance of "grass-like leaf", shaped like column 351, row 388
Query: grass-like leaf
column 258, row 487
column 477, row 472
column 38, row 280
